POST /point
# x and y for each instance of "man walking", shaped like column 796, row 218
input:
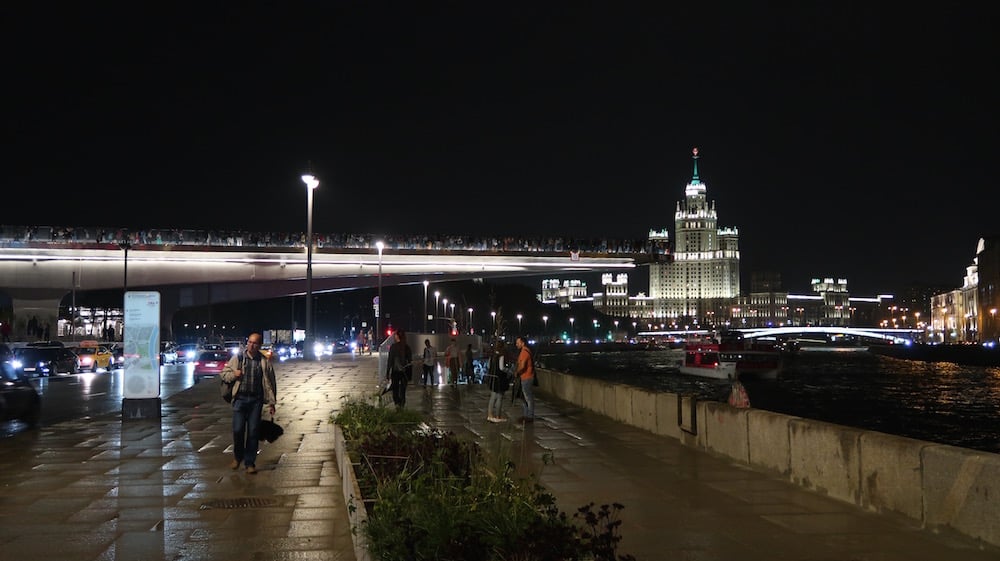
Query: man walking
column 398, row 368
column 252, row 376
column 526, row 372
column 451, row 358
column 429, row 359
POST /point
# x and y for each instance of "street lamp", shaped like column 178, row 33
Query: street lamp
column 125, row 245
column 378, row 310
column 519, row 316
column 444, row 307
column 311, row 184
column 453, row 312
column 425, row 305
column 437, row 295
column 545, row 325
column 493, row 322
column 471, row 330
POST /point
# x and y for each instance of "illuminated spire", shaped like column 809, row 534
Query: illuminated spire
column 694, row 179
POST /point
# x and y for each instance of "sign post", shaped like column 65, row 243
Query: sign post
column 142, row 356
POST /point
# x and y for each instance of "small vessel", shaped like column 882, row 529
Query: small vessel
column 702, row 358
column 754, row 360
column 753, row 364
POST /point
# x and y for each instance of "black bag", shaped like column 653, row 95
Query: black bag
column 227, row 390
column 270, row 431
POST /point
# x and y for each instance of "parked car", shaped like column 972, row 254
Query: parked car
column 45, row 361
column 209, row 364
column 187, row 352
column 19, row 400
column 93, row 355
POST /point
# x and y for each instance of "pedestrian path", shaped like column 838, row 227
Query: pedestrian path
column 101, row 490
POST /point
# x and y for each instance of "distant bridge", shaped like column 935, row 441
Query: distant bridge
column 894, row 335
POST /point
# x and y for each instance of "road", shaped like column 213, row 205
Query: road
column 91, row 394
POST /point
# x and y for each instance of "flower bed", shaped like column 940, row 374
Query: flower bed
column 414, row 492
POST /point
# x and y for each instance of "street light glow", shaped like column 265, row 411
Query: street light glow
column 378, row 312
column 311, row 184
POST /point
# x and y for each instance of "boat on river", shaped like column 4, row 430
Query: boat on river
column 755, row 360
column 703, row 358
column 753, row 364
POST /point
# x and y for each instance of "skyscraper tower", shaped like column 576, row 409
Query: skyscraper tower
column 703, row 279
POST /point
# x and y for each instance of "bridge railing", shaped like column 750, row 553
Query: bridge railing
column 112, row 238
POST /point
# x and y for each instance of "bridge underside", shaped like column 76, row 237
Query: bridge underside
column 38, row 278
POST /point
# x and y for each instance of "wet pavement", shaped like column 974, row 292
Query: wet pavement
column 103, row 489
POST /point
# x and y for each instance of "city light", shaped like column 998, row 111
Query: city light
column 311, row 184
column 378, row 306
column 426, row 282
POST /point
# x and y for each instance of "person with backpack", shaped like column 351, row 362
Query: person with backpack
column 398, row 367
column 498, row 381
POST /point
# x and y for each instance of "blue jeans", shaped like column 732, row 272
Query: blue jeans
column 246, row 429
column 495, row 407
column 527, row 386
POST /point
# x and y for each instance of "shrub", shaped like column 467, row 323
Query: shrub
column 435, row 498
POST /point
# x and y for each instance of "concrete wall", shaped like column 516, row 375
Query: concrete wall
column 937, row 485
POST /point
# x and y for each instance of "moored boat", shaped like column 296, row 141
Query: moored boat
column 754, row 364
column 704, row 359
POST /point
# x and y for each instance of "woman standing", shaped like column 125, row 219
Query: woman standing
column 498, row 382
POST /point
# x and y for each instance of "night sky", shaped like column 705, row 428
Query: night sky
column 841, row 139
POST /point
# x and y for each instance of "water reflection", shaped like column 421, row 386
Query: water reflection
column 936, row 402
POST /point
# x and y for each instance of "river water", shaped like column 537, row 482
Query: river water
column 933, row 401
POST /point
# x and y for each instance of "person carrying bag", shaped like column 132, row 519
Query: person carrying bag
column 498, row 380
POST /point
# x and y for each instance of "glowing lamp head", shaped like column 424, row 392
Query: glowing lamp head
column 310, row 181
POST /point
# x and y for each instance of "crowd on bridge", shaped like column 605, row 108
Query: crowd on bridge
column 22, row 236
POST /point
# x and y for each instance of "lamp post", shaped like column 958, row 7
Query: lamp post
column 471, row 330
column 519, row 316
column 493, row 323
column 545, row 326
column 572, row 334
column 453, row 312
column 425, row 305
column 444, row 307
column 378, row 311
column 125, row 245
column 437, row 294
column 311, row 184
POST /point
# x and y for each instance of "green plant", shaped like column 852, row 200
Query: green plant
column 435, row 498
column 357, row 417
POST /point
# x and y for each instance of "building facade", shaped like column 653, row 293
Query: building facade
column 957, row 314
column 702, row 279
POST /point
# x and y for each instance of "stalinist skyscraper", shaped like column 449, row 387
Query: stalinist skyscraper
column 703, row 279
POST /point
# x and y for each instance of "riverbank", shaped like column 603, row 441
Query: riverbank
column 967, row 355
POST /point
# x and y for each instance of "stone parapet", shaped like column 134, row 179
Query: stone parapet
column 939, row 486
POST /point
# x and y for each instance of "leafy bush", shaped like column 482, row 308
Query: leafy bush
column 435, row 498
